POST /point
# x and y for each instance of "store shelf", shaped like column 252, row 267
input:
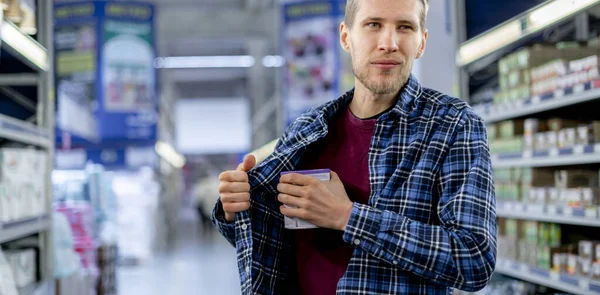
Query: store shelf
column 544, row 277
column 588, row 154
column 40, row 288
column 559, row 99
column 12, row 231
column 511, row 32
column 23, row 132
column 23, row 47
column 548, row 213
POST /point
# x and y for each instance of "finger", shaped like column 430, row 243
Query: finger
column 290, row 200
column 293, row 212
column 236, row 207
column 233, row 187
column 297, row 179
column 291, row 189
column 235, row 197
column 248, row 163
column 234, row 176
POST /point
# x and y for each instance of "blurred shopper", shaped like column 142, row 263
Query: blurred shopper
column 410, row 206
column 204, row 200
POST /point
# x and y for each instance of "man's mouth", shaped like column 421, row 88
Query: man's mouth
column 386, row 63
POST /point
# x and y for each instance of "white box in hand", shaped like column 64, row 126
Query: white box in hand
column 297, row 223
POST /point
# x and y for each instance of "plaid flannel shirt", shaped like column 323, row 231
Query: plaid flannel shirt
column 430, row 224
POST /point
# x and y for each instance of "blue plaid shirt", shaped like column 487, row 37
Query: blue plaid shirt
column 430, row 224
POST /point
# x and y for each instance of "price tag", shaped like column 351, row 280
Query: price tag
column 584, row 285
column 568, row 211
column 578, row 149
column 523, row 267
column 519, row 207
column 553, row 152
column 591, row 212
column 555, row 276
column 578, row 88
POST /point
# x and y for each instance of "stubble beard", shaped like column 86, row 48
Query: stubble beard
column 381, row 87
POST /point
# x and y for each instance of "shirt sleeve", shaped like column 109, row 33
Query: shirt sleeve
column 461, row 251
column 225, row 228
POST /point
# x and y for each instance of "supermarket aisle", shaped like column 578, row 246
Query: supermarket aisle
column 196, row 265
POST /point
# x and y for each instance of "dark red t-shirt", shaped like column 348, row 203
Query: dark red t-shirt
column 321, row 255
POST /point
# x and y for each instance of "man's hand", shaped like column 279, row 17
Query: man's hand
column 234, row 188
column 322, row 203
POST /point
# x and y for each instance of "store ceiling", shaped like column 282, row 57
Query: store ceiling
column 212, row 27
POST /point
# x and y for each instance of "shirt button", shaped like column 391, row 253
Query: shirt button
column 357, row 242
column 244, row 226
column 395, row 262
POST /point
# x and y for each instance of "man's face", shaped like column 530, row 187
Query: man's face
column 384, row 41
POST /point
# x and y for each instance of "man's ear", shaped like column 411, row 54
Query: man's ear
column 423, row 44
column 345, row 37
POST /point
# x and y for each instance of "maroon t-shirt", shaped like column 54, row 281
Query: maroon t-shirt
column 321, row 255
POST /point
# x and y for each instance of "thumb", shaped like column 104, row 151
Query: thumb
column 249, row 163
column 334, row 176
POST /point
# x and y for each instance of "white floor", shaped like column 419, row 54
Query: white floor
column 197, row 265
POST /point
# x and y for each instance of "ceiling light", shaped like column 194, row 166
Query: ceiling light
column 220, row 61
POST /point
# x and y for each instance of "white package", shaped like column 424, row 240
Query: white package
column 297, row 223
column 23, row 264
column 8, row 286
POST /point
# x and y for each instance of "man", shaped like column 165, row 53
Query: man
column 410, row 208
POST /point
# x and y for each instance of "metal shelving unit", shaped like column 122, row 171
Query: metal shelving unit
column 548, row 213
column 589, row 154
column 543, row 277
column 27, row 63
column 478, row 55
column 583, row 93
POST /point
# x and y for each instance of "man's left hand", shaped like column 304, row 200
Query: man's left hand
column 322, row 203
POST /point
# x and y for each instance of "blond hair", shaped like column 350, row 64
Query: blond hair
column 352, row 7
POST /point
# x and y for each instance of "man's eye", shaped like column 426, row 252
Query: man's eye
column 405, row 28
column 373, row 25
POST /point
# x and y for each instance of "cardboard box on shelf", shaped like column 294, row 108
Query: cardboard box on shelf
column 506, row 145
column 590, row 196
column 567, row 137
column 553, row 195
column 596, row 271
column 557, row 124
column 575, row 178
column 584, row 267
column 512, row 128
column 532, row 126
column 559, row 260
column 492, row 131
column 544, row 257
column 586, row 250
column 584, row 64
column 588, row 133
column 572, row 264
column 549, row 70
column 538, row 177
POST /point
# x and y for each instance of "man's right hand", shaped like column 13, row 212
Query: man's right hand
column 234, row 188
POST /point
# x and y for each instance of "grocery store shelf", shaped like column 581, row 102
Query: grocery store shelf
column 543, row 277
column 507, row 34
column 23, row 47
column 567, row 97
column 12, row 231
column 548, row 213
column 24, row 132
column 588, row 154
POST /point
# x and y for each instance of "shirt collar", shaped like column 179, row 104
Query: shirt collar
column 404, row 102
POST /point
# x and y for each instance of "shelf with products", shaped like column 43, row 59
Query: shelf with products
column 15, row 230
column 560, row 281
column 576, row 94
column 549, row 213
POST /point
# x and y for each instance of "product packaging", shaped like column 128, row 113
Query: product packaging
column 320, row 174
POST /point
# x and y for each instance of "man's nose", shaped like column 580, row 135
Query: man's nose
column 388, row 41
